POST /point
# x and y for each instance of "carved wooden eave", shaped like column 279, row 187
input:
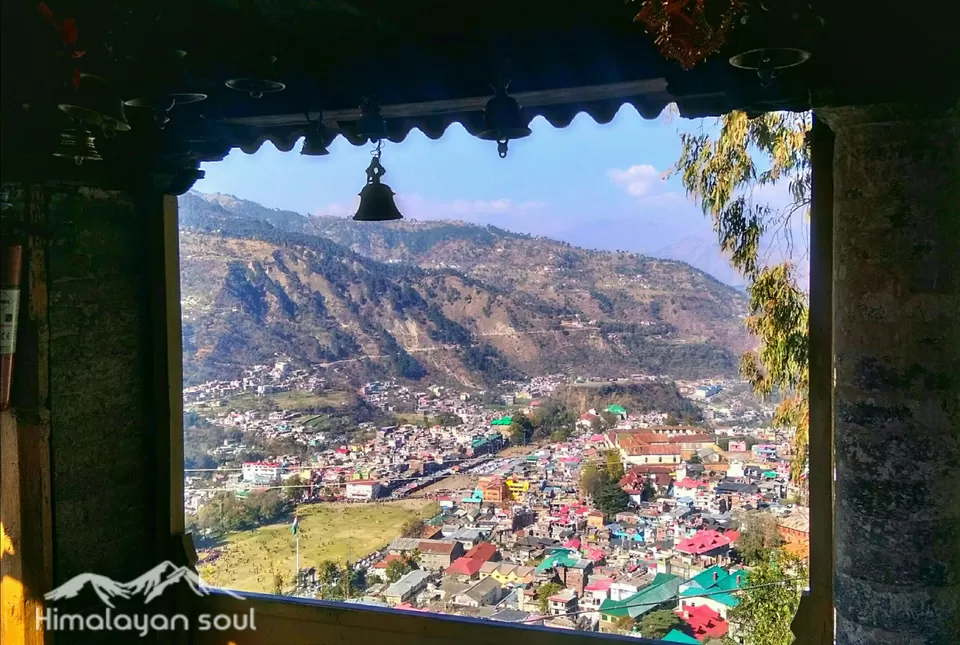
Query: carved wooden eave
column 429, row 63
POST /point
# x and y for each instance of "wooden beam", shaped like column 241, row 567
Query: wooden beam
column 26, row 535
column 586, row 94
column 814, row 623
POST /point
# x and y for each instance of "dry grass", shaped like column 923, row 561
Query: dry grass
column 341, row 532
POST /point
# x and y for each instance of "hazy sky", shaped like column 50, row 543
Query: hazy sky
column 592, row 185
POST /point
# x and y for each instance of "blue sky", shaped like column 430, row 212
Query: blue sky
column 593, row 185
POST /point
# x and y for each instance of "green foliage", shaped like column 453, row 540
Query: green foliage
column 413, row 527
column 759, row 535
column 722, row 173
column 521, row 429
column 611, row 499
column 613, row 465
column 339, row 582
column 544, row 592
column 555, row 420
column 226, row 513
column 658, row 624
column 765, row 611
column 592, row 479
column 625, row 623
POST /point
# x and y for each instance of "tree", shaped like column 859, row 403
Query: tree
column 695, row 459
column 721, row 173
column 610, row 420
column 544, row 592
column 413, row 527
column 766, row 608
column 611, row 499
column 521, row 429
column 591, row 479
column 658, row 624
column 625, row 623
column 649, row 491
column 277, row 583
column 759, row 535
column 614, row 465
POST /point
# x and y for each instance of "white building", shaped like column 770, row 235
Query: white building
column 362, row 489
column 261, row 472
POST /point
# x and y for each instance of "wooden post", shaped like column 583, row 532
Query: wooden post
column 26, row 537
column 813, row 624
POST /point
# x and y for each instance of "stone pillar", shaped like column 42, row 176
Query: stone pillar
column 897, row 370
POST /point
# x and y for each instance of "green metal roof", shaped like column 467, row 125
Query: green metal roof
column 726, row 581
column 663, row 588
column 616, row 409
column 676, row 636
column 502, row 421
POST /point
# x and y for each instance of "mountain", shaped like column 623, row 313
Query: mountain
column 448, row 299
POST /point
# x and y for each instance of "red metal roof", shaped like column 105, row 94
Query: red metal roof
column 482, row 552
column 464, row 566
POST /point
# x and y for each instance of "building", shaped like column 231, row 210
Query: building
column 737, row 446
column 260, row 472
column 362, row 489
column 438, row 554
column 660, row 593
column 714, row 588
column 795, row 530
column 493, row 489
column 485, row 592
column 518, row 487
column 706, row 391
column 464, row 569
column 406, row 587
column 563, row 603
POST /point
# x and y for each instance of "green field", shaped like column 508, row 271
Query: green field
column 327, row 532
column 294, row 400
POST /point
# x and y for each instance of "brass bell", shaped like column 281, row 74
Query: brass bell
column 263, row 82
column 93, row 103
column 77, row 144
column 376, row 199
column 503, row 120
column 314, row 145
column 372, row 124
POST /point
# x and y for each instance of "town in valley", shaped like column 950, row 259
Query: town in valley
column 634, row 505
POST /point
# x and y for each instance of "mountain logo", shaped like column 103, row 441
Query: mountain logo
column 148, row 586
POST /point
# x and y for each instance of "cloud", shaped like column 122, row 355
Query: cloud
column 639, row 181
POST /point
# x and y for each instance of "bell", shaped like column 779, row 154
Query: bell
column 376, row 199
column 77, row 144
column 170, row 89
column 94, row 104
column 768, row 62
column 372, row 124
column 315, row 143
column 262, row 83
column 502, row 119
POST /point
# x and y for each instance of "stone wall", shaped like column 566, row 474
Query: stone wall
column 103, row 429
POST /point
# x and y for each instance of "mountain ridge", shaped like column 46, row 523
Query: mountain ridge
column 475, row 304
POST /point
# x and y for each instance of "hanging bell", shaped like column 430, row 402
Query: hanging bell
column 315, row 143
column 769, row 62
column 77, row 144
column 776, row 37
column 503, row 120
column 170, row 88
column 93, row 103
column 372, row 124
column 376, row 199
column 264, row 81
